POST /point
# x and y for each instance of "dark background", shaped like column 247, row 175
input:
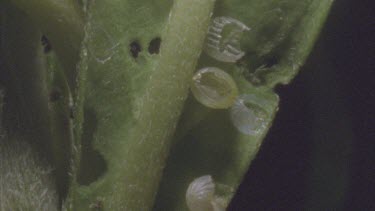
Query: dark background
column 319, row 154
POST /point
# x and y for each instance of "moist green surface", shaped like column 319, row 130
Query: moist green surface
column 134, row 121
column 133, row 139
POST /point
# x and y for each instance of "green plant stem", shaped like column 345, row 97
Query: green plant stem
column 135, row 167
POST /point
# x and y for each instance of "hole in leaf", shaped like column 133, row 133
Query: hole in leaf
column 135, row 48
column 92, row 164
column 46, row 44
column 154, row 46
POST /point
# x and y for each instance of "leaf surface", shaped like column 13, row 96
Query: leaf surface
column 130, row 96
column 281, row 37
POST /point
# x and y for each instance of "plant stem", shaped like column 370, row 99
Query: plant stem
column 135, row 163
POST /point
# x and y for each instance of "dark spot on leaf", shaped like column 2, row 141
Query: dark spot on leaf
column 92, row 164
column 54, row 95
column 46, row 44
column 135, row 48
column 154, row 46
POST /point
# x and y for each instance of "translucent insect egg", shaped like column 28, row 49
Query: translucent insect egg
column 214, row 88
column 247, row 115
column 200, row 195
column 223, row 39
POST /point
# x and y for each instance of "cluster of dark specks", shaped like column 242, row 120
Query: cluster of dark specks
column 153, row 48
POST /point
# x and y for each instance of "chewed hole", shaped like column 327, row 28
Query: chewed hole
column 135, row 49
column 92, row 164
column 47, row 47
column 154, row 47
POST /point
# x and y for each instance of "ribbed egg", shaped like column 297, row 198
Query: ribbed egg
column 214, row 88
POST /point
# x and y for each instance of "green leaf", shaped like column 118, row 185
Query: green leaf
column 37, row 98
column 62, row 22
column 130, row 99
column 23, row 77
column 130, row 95
column 281, row 38
column 26, row 176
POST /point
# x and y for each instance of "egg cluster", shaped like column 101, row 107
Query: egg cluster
column 216, row 89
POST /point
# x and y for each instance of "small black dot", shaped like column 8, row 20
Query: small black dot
column 154, row 46
column 46, row 44
column 54, row 96
column 135, row 48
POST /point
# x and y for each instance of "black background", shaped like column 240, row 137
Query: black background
column 319, row 154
